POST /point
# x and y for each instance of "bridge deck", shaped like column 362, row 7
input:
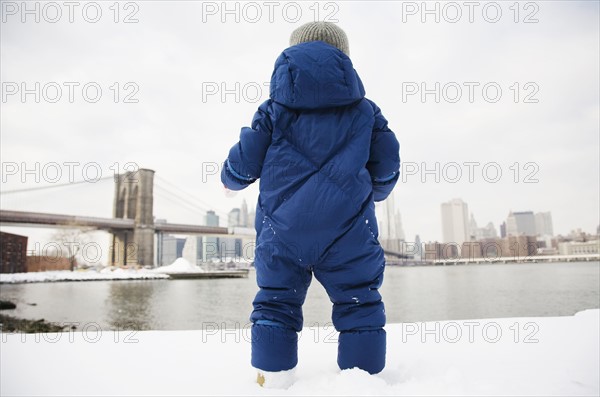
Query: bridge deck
column 23, row 218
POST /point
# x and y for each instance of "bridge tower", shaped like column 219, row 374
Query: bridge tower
column 134, row 200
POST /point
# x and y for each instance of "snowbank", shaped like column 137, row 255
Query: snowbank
column 514, row 356
column 79, row 275
column 180, row 265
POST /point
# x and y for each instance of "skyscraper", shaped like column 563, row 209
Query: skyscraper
column 520, row 224
column 480, row 233
column 244, row 214
column 418, row 248
column 210, row 245
column 169, row 248
column 231, row 248
column 503, row 229
column 234, row 218
column 543, row 224
column 455, row 221
column 472, row 228
column 211, row 219
column 391, row 234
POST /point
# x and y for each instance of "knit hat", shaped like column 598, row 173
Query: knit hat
column 328, row 32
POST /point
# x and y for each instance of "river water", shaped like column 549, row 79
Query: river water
column 411, row 294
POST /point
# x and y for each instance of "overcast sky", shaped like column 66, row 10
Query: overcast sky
column 178, row 53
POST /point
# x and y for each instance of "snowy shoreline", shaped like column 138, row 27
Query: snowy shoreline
column 80, row 275
column 180, row 266
column 504, row 356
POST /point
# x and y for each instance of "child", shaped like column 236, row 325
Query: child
column 324, row 154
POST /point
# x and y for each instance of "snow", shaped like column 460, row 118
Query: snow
column 180, row 265
column 80, row 275
column 509, row 356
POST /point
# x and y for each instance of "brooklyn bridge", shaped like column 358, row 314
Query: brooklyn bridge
column 132, row 227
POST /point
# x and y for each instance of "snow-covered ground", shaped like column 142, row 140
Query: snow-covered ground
column 510, row 356
column 80, row 275
column 180, row 265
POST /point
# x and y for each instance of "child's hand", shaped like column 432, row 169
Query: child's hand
column 229, row 193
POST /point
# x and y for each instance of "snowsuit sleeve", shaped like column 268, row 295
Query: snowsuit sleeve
column 384, row 157
column 244, row 163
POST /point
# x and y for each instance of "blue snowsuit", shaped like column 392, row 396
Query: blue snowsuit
column 324, row 154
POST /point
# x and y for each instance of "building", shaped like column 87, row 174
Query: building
column 579, row 247
column 543, row 224
column 491, row 248
column 432, row 251
column 579, row 235
column 436, row 251
column 389, row 223
column 472, row 228
column 520, row 224
column 169, row 249
column 211, row 219
column 244, row 221
column 518, row 246
column 239, row 216
column 234, row 218
column 418, row 252
column 244, row 246
column 230, row 249
column 488, row 231
column 14, row 253
column 481, row 233
column 180, row 245
column 201, row 249
column 507, row 247
column 455, row 222
column 41, row 263
column 471, row 250
column 503, row 229
column 210, row 245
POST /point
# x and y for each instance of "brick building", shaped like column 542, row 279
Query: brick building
column 39, row 263
column 13, row 253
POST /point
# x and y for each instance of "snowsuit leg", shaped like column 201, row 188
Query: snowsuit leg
column 277, row 316
column 352, row 272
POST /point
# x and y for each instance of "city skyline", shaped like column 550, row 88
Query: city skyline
column 528, row 234
column 537, row 223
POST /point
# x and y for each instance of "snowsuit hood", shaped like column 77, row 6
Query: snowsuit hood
column 315, row 75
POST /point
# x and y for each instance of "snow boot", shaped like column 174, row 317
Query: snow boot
column 276, row 380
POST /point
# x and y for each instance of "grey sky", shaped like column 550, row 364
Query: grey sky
column 170, row 54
